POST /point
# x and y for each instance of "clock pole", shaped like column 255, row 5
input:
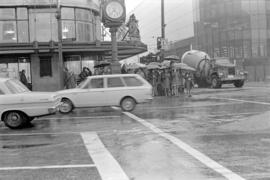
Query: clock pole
column 114, row 15
column 115, row 65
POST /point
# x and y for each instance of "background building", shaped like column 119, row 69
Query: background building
column 238, row 29
column 29, row 31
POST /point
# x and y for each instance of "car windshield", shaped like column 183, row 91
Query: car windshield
column 15, row 86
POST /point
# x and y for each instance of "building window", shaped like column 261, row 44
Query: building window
column 43, row 25
column 7, row 13
column 8, row 31
column 45, row 66
column 84, row 25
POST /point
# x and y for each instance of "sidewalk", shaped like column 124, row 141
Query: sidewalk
column 257, row 84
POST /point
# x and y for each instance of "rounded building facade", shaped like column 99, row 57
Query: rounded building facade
column 29, row 39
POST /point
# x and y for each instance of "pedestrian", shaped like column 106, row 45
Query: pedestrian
column 23, row 78
column 167, row 80
column 154, row 82
column 83, row 75
column 107, row 70
column 159, row 82
column 174, row 82
column 188, row 83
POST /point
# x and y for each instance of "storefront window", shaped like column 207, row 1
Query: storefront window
column 73, row 63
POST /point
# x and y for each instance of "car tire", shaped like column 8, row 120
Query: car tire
column 15, row 120
column 128, row 104
column 239, row 83
column 66, row 106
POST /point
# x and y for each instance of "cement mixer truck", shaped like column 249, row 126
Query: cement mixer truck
column 213, row 72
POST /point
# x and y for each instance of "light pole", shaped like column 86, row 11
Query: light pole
column 162, row 30
column 60, row 45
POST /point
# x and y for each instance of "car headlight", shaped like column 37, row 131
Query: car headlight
column 220, row 74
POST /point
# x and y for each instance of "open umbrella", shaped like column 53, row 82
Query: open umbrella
column 153, row 65
column 183, row 66
column 135, row 66
column 172, row 57
column 166, row 63
column 102, row 64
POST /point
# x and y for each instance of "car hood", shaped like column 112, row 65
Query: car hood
column 28, row 97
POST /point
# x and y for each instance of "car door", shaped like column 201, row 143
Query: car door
column 114, row 91
column 93, row 93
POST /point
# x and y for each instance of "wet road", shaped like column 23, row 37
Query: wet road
column 216, row 135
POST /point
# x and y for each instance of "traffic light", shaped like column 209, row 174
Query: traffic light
column 159, row 45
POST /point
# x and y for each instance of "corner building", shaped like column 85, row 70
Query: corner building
column 239, row 29
column 29, row 40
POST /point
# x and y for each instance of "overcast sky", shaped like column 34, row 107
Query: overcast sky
column 131, row 4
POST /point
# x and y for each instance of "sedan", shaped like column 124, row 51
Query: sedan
column 19, row 105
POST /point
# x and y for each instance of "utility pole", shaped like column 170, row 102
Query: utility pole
column 162, row 30
column 60, row 45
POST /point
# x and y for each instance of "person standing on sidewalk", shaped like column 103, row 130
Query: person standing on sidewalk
column 188, row 83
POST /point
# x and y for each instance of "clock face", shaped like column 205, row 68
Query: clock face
column 114, row 10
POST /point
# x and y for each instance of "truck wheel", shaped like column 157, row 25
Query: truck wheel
column 215, row 83
column 15, row 120
column 128, row 104
column 239, row 83
column 66, row 106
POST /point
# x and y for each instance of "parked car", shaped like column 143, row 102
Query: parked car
column 19, row 105
column 124, row 90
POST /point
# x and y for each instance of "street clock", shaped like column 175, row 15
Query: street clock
column 114, row 13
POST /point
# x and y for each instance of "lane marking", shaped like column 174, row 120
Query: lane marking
column 240, row 100
column 72, row 133
column 188, row 149
column 76, row 117
column 107, row 166
column 47, row 167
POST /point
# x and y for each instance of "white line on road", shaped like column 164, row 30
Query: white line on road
column 47, row 167
column 108, row 167
column 240, row 100
column 188, row 149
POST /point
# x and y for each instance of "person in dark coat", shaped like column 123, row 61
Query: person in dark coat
column 23, row 78
column 83, row 75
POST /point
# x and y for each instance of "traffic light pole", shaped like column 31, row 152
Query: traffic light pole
column 162, row 30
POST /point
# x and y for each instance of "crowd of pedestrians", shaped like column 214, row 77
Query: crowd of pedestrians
column 165, row 81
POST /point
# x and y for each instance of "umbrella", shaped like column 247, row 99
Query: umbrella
column 102, row 64
column 166, row 63
column 135, row 66
column 183, row 66
column 172, row 57
column 153, row 65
